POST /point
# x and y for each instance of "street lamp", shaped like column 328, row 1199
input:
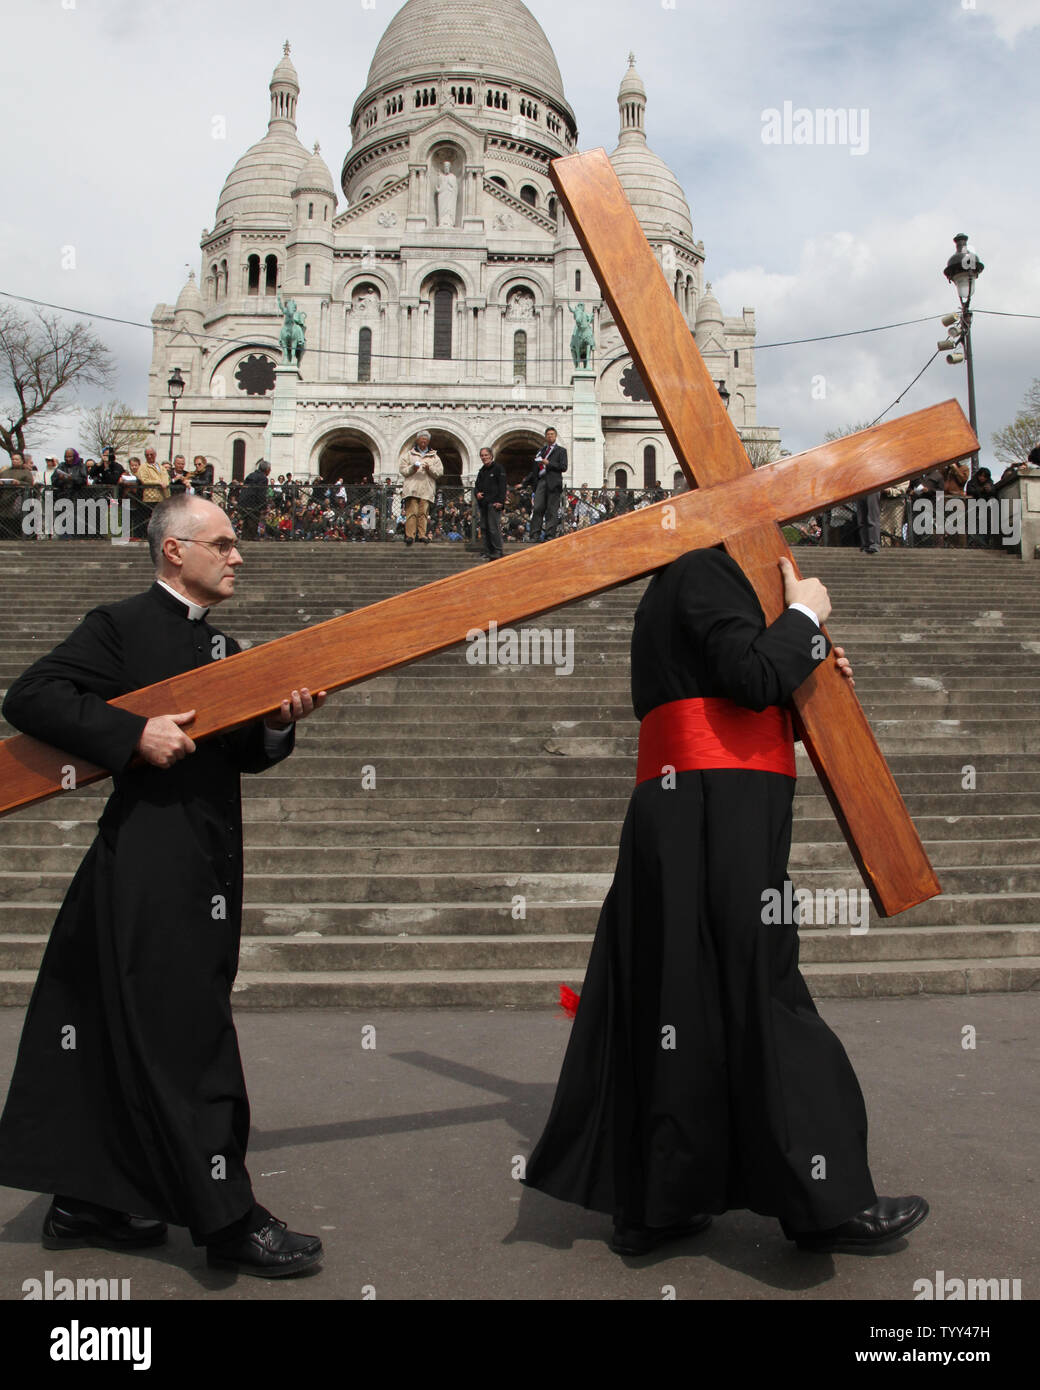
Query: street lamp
column 723, row 393
column 962, row 270
column 175, row 387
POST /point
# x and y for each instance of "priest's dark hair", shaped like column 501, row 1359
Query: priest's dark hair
column 170, row 518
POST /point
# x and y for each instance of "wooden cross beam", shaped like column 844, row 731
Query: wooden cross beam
column 741, row 509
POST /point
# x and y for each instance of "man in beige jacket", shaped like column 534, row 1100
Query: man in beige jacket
column 154, row 479
column 420, row 467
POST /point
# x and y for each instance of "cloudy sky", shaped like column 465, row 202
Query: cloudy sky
column 109, row 106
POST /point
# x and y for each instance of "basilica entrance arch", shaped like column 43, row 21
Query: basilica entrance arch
column 515, row 451
column 346, row 455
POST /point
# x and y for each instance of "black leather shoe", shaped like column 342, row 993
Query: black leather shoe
column 887, row 1219
column 272, row 1252
column 91, row 1225
column 408, row 540
column 640, row 1240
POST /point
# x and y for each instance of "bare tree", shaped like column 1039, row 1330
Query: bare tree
column 1012, row 444
column 843, row 430
column 115, row 423
column 43, row 360
column 761, row 451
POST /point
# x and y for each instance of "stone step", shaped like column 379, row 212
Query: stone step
column 314, row 951
column 942, row 797
column 432, row 837
column 342, row 917
column 505, row 888
column 541, row 989
column 392, row 858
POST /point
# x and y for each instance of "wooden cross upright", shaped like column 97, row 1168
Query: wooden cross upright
column 731, row 504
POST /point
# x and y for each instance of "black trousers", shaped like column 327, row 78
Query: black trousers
column 491, row 526
column 546, row 511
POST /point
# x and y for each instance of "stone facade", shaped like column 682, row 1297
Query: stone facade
column 443, row 295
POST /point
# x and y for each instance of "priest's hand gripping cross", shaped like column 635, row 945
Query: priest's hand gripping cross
column 731, row 504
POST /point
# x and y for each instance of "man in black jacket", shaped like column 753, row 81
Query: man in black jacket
column 546, row 477
column 253, row 499
column 490, row 492
column 128, row 1094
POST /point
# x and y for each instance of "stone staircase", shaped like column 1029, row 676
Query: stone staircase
column 472, row 873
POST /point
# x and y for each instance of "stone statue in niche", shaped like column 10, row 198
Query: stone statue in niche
column 520, row 305
column 447, row 196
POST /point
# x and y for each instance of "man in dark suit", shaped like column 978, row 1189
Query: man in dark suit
column 546, row 477
column 128, row 1094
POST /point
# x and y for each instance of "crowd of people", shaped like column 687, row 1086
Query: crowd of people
column 425, row 505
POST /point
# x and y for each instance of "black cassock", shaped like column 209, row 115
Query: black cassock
column 128, row 1088
column 751, row 1102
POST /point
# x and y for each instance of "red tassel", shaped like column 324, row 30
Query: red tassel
column 569, row 1001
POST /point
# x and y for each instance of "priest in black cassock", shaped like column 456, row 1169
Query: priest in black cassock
column 699, row 1077
column 128, row 1101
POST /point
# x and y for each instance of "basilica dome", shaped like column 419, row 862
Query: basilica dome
column 653, row 190
column 259, row 187
column 495, row 38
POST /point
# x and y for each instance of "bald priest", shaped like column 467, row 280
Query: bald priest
column 128, row 1101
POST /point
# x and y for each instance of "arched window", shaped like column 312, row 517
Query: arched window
column 649, row 466
column 519, row 355
column 238, row 460
column 529, row 195
column 577, row 279
column 254, row 274
column 552, row 208
column 224, row 275
column 271, row 275
column 307, row 274
column 214, row 275
column 736, row 357
column 443, row 312
column 497, row 178
column 364, row 355
column 310, row 212
column 621, row 478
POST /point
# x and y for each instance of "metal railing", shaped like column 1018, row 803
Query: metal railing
column 303, row 512
column 319, row 511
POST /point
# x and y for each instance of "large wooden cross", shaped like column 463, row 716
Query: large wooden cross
column 731, row 504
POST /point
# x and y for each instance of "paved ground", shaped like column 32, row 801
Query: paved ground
column 402, row 1157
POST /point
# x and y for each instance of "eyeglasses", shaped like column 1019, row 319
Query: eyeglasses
column 223, row 547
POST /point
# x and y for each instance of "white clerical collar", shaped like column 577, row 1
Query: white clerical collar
column 195, row 612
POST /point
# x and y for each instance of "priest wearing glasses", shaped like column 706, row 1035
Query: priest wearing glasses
column 128, row 1101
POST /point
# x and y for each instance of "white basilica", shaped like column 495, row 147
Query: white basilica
column 443, row 293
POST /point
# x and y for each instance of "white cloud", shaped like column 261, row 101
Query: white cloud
column 1010, row 18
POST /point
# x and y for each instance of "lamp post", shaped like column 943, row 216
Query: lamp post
column 723, row 393
column 962, row 270
column 175, row 387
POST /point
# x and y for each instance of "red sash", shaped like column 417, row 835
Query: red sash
column 711, row 733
